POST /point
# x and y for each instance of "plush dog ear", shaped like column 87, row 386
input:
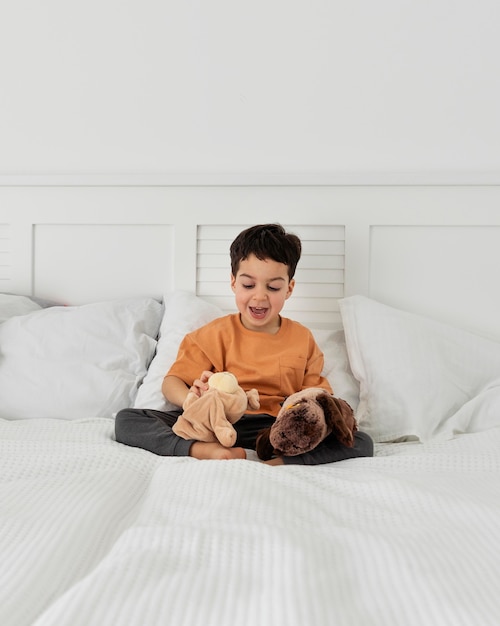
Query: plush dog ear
column 263, row 447
column 339, row 417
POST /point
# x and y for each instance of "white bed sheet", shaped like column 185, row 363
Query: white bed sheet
column 94, row 532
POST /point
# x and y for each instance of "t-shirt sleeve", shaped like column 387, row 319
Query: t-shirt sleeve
column 191, row 361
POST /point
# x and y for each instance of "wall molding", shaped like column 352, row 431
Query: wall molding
column 289, row 179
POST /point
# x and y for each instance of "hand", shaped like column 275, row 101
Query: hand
column 200, row 385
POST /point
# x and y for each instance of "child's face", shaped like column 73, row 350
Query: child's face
column 261, row 288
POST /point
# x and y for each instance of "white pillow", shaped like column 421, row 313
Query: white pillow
column 183, row 313
column 337, row 368
column 419, row 379
column 76, row 361
column 12, row 305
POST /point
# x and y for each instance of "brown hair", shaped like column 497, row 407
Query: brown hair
column 266, row 241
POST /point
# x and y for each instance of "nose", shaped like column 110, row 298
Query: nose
column 260, row 293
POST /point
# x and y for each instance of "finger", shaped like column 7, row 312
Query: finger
column 194, row 390
column 205, row 375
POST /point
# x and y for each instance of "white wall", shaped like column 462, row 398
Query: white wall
column 155, row 86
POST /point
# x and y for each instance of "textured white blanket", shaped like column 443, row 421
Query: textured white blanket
column 95, row 533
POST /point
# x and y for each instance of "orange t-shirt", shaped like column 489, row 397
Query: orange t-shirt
column 276, row 365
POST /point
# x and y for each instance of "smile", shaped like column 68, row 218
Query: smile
column 258, row 312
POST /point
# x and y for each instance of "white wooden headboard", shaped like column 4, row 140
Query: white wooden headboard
column 434, row 250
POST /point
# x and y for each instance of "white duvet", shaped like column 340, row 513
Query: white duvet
column 95, row 533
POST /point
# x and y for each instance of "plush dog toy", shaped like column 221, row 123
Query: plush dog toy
column 304, row 420
column 210, row 417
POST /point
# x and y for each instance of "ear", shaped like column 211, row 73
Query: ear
column 263, row 447
column 291, row 285
column 339, row 418
column 233, row 282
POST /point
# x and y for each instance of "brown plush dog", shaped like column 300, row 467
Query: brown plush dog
column 304, row 420
column 211, row 417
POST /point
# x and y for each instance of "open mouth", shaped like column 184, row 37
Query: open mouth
column 258, row 313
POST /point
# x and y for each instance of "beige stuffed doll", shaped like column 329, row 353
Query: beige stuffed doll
column 210, row 417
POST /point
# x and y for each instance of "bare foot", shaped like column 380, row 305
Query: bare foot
column 276, row 461
column 201, row 450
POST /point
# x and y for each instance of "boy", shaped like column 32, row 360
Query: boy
column 273, row 354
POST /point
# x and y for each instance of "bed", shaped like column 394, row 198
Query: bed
column 400, row 286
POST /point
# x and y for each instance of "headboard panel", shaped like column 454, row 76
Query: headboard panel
column 430, row 249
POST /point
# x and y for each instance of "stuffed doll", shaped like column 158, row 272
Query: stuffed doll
column 210, row 417
column 304, row 420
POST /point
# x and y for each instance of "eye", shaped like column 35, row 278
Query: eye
column 248, row 286
column 273, row 288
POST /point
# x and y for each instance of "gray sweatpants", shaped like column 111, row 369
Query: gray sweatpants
column 152, row 430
